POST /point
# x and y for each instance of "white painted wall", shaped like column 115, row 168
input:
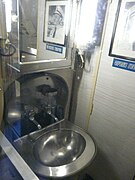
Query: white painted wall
column 85, row 96
column 112, row 123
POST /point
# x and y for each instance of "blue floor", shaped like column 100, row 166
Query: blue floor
column 7, row 170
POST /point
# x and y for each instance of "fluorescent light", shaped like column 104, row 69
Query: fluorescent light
column 86, row 23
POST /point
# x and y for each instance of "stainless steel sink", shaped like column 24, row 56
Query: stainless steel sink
column 59, row 147
column 59, row 151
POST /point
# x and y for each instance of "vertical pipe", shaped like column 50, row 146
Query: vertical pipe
column 3, row 32
column 1, row 98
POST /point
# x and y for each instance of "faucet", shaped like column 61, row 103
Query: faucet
column 49, row 112
column 32, row 119
column 53, row 116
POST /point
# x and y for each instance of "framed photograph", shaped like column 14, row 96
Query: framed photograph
column 55, row 21
column 123, row 38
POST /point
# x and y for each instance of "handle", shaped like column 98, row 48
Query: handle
column 80, row 58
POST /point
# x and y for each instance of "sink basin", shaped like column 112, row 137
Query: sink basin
column 59, row 147
column 58, row 152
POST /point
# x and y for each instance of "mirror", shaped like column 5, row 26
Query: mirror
column 44, row 29
column 9, row 40
column 28, row 29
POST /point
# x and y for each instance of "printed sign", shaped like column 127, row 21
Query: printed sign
column 54, row 48
column 122, row 64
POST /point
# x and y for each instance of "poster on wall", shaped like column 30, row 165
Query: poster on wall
column 123, row 38
column 55, row 22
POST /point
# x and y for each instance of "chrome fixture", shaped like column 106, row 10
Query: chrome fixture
column 59, row 147
column 58, row 151
column 31, row 113
column 31, row 118
column 53, row 116
column 49, row 110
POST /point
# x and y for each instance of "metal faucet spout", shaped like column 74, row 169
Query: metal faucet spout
column 53, row 116
column 31, row 118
